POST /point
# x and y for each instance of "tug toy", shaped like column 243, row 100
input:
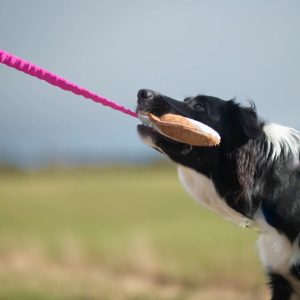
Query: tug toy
column 174, row 126
column 182, row 129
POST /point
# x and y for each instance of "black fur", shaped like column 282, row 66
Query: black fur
column 280, row 287
column 295, row 270
column 245, row 168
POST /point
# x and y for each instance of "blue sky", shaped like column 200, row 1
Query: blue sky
column 244, row 49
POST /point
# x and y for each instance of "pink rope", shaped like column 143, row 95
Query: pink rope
column 36, row 71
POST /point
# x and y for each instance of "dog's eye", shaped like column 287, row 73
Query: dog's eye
column 199, row 107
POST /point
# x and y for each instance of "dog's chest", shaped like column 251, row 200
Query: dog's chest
column 276, row 252
column 203, row 190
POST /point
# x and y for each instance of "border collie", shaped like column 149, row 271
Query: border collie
column 252, row 178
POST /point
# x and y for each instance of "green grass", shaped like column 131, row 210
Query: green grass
column 118, row 233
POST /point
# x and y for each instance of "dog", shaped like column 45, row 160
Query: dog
column 252, row 178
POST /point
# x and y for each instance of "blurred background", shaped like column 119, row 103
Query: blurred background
column 87, row 211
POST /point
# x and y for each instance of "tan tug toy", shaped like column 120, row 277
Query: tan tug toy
column 182, row 129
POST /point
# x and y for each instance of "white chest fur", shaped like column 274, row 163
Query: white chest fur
column 203, row 190
column 276, row 252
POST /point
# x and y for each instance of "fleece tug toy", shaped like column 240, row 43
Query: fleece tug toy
column 174, row 126
column 182, row 129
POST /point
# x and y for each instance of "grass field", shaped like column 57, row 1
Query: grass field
column 118, row 233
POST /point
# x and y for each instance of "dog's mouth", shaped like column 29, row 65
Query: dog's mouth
column 174, row 121
column 147, row 125
column 150, row 102
column 150, row 133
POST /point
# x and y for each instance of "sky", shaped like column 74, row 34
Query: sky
column 243, row 49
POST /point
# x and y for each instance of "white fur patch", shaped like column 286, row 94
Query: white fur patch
column 203, row 190
column 275, row 252
column 284, row 140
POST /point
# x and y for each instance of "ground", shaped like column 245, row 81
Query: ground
column 118, row 234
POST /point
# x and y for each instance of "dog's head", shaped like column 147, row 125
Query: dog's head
column 235, row 124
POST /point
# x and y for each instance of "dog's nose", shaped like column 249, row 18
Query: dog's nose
column 145, row 94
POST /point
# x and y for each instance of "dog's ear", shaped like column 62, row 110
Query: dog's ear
column 245, row 118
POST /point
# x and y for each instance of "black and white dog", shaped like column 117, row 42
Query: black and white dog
column 252, row 178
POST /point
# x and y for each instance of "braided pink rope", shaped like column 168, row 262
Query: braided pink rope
column 36, row 71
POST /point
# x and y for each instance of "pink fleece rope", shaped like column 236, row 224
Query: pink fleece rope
column 36, row 71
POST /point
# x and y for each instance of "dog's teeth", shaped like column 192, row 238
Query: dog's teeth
column 145, row 119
